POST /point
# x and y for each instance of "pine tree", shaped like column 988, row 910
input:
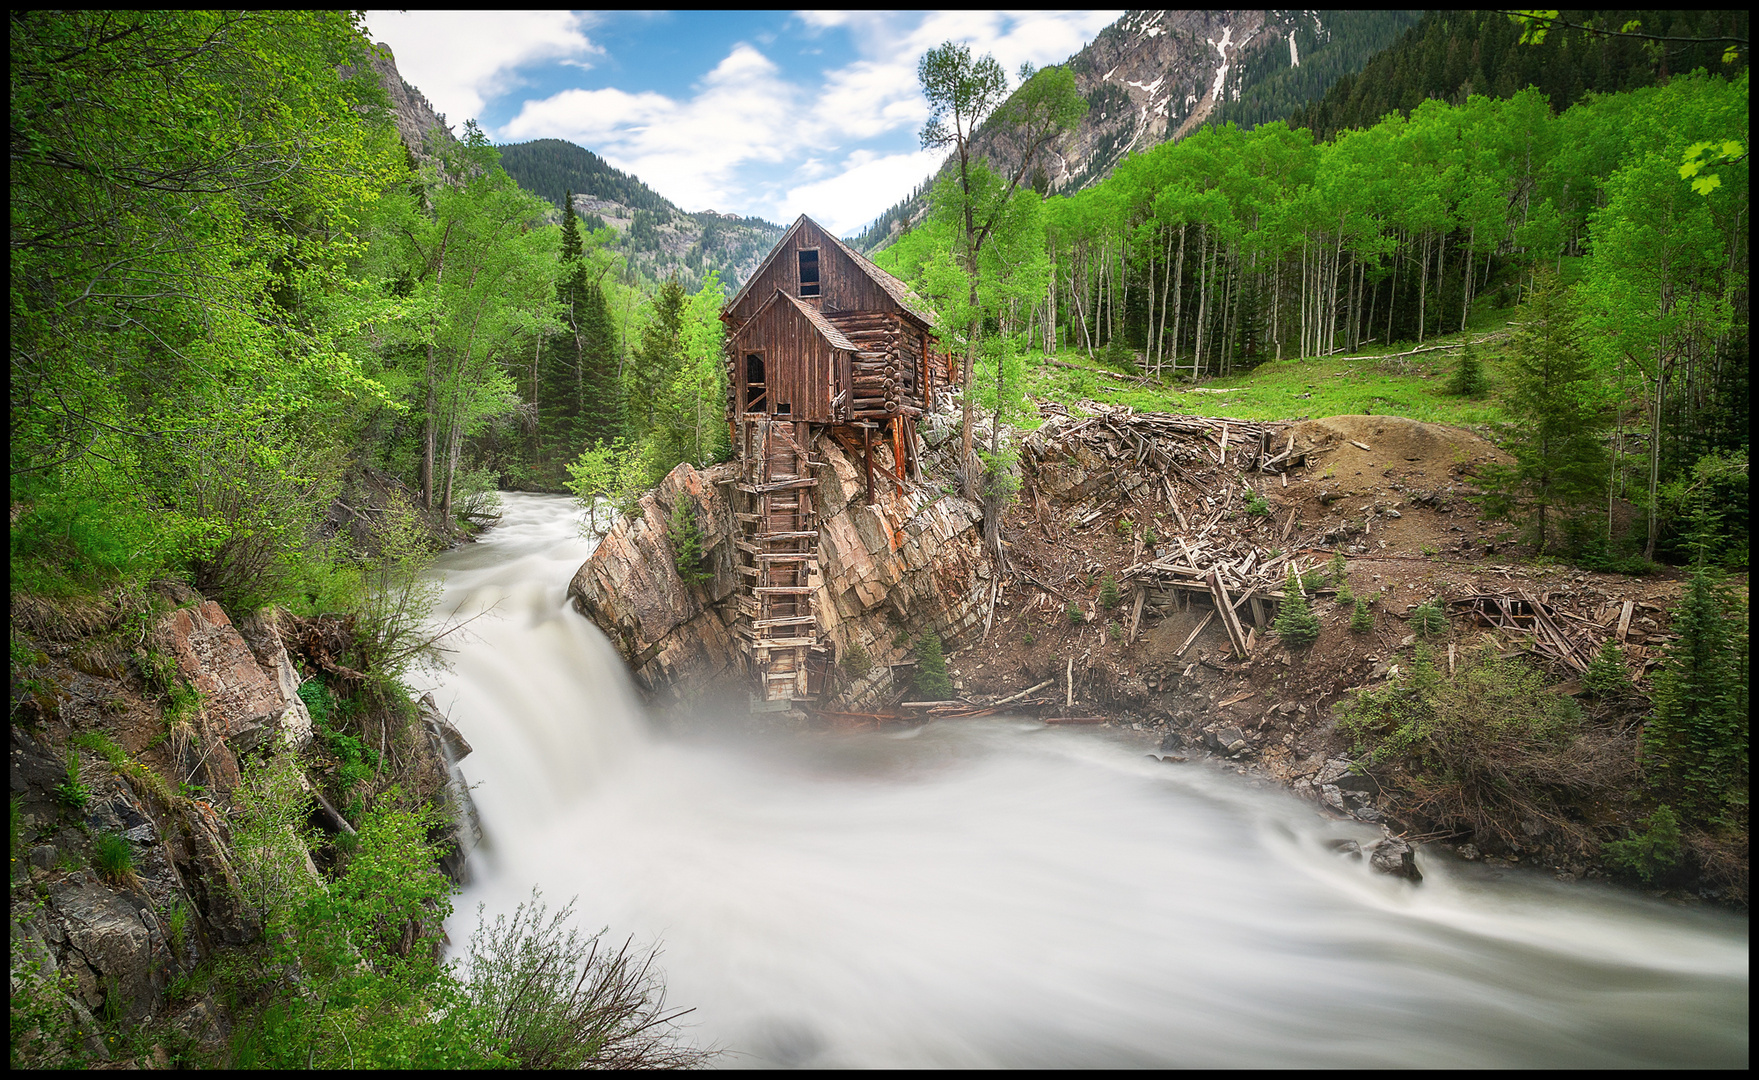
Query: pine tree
column 1557, row 400
column 1429, row 620
column 1295, row 622
column 1361, row 619
column 1695, row 744
column 932, row 680
column 655, row 363
column 1606, row 676
column 1468, row 380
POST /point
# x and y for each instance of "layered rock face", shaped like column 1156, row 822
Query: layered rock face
column 888, row 574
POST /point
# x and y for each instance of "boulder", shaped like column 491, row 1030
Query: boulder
column 1391, row 855
column 1225, row 739
column 114, row 945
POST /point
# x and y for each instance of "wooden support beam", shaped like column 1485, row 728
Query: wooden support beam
column 1136, row 613
column 1236, row 634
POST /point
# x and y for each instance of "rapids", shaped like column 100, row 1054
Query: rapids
column 1000, row 893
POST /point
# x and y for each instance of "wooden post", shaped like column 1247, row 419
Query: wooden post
column 1136, row 612
column 867, row 459
column 898, row 447
column 1219, row 593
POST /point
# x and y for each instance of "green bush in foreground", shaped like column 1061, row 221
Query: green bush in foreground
column 1361, row 619
column 1651, row 853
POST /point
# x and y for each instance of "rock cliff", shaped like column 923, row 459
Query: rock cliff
column 889, row 572
column 100, row 757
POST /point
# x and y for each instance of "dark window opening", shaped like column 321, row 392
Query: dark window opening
column 809, row 273
column 754, row 384
column 784, row 409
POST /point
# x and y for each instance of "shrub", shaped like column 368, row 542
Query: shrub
column 1149, row 539
column 1295, row 622
column 686, row 540
column 71, row 791
column 1108, row 593
column 1114, row 630
column 113, row 856
column 554, row 1000
column 1429, row 620
column 932, row 680
column 1606, row 676
column 1256, row 506
column 856, row 662
column 1072, row 612
column 1361, row 619
column 1487, row 750
column 1338, row 569
column 1651, row 853
column 1695, row 744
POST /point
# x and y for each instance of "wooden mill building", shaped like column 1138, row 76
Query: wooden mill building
column 820, row 342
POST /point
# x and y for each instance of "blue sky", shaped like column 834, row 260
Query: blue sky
column 767, row 113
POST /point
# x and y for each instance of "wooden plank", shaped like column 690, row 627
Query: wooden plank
column 1189, row 638
column 1359, row 446
column 792, row 620
column 801, row 589
column 1625, row 619
column 1136, row 613
column 1236, row 634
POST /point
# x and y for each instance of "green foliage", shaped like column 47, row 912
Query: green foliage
column 1113, row 630
column 686, row 540
column 1484, row 750
column 1429, row 619
column 1337, row 571
column 1607, row 677
column 1695, row 744
column 1559, row 405
column 1295, row 622
column 1256, row 506
column 551, row 999
column 1361, row 619
column 1651, row 853
column 113, row 856
column 1073, row 613
column 1707, row 507
column 932, row 680
column 1108, row 592
column 1468, row 379
column 71, row 791
column 856, row 662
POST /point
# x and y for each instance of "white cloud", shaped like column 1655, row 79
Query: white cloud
column 864, row 187
column 461, row 59
column 748, row 137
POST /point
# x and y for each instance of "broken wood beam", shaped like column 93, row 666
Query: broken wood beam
column 1236, row 634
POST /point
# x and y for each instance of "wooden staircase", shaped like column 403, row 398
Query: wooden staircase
column 777, row 549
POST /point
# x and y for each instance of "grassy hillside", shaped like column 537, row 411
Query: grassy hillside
column 1382, row 382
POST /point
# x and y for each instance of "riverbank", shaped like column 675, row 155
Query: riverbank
column 1104, row 609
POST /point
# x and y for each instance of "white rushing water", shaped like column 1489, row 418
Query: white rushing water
column 999, row 893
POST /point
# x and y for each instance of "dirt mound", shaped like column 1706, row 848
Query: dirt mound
column 1397, row 444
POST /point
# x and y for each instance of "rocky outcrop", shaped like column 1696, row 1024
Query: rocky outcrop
column 889, row 572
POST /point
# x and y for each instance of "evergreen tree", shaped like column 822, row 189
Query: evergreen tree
column 1468, row 380
column 1361, row 619
column 1295, row 622
column 655, row 361
column 932, row 681
column 1695, row 744
column 1557, row 400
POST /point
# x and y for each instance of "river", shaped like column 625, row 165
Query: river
column 999, row 893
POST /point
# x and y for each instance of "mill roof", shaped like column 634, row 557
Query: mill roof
column 894, row 288
column 823, row 325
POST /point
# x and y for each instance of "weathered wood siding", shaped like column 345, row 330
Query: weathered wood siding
column 798, row 362
column 843, row 286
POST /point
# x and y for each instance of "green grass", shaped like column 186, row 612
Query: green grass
column 1414, row 387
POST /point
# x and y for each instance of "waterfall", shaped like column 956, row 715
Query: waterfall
column 994, row 892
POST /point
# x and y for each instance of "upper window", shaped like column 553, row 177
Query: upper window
column 809, row 272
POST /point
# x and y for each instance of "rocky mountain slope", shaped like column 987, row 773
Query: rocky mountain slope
column 659, row 239
column 1159, row 75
